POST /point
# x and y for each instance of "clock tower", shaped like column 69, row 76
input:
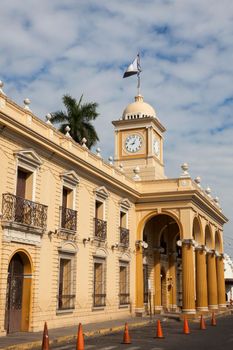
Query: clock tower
column 139, row 141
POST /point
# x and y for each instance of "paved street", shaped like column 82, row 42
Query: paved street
column 214, row 338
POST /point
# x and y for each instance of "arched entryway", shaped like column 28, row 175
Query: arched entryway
column 18, row 293
column 161, row 232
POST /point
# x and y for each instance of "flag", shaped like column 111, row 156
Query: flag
column 133, row 68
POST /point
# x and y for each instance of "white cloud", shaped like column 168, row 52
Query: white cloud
column 51, row 48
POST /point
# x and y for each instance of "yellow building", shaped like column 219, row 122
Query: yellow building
column 83, row 240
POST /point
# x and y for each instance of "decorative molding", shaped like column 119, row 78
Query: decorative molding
column 125, row 257
column 21, row 234
column 68, row 247
column 125, row 203
column 101, row 192
column 70, row 178
column 28, row 159
column 100, row 253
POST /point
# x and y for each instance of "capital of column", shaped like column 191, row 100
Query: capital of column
column 201, row 248
column 220, row 256
column 210, row 251
column 186, row 241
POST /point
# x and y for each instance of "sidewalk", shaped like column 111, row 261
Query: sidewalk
column 27, row 340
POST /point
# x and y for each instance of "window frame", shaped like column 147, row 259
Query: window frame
column 125, row 264
column 71, row 257
column 103, row 294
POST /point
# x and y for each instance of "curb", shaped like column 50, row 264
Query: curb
column 72, row 337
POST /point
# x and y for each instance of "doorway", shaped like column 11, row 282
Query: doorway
column 18, row 294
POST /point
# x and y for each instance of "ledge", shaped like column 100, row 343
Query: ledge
column 66, row 311
column 98, row 308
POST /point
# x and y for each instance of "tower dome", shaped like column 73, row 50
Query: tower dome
column 138, row 109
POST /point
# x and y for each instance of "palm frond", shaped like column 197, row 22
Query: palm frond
column 89, row 110
column 70, row 103
column 58, row 117
column 90, row 134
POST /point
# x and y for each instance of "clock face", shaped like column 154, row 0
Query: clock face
column 156, row 147
column 133, row 143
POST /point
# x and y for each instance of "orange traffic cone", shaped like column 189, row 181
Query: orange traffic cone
column 45, row 341
column 213, row 320
column 202, row 323
column 159, row 333
column 126, row 338
column 80, row 338
column 186, row 326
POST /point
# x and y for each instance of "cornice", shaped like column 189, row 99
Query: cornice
column 94, row 172
column 140, row 121
column 120, row 182
column 186, row 197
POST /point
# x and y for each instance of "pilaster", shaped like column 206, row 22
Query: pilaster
column 220, row 281
column 172, row 284
column 139, row 310
column 188, row 277
column 157, row 281
column 201, row 279
column 212, row 280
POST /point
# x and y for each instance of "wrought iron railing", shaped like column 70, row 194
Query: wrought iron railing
column 124, row 298
column 124, row 236
column 23, row 211
column 66, row 302
column 100, row 229
column 99, row 300
column 68, row 218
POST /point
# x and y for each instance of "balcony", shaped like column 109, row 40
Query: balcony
column 100, row 229
column 124, row 236
column 68, row 219
column 23, row 211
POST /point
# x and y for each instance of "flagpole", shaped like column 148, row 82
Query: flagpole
column 138, row 73
column 138, row 87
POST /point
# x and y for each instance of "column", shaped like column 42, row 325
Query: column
column 188, row 277
column 221, row 282
column 201, row 279
column 139, row 310
column 173, row 277
column 157, row 281
column 212, row 280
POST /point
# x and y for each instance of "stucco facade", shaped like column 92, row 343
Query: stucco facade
column 86, row 240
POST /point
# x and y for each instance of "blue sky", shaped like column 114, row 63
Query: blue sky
column 49, row 48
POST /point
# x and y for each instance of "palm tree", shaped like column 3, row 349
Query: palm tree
column 78, row 117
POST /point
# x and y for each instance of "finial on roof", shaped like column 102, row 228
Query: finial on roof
column 67, row 129
column 198, row 181
column 27, row 102
column 84, row 141
column 98, row 150
column 1, row 86
column 48, row 117
column 110, row 159
column 185, row 168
